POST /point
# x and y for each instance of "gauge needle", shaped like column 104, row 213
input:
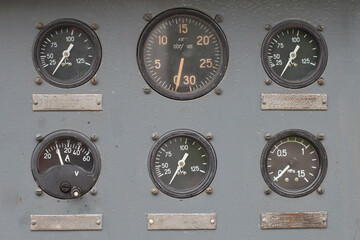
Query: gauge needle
column 65, row 54
column 281, row 173
column 179, row 74
column 58, row 153
column 181, row 164
column 292, row 56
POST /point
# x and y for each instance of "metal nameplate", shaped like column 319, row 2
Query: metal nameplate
column 273, row 220
column 66, row 222
column 182, row 221
column 67, row 102
column 305, row 102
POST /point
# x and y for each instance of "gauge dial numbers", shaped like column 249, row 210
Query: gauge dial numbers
column 182, row 164
column 294, row 163
column 294, row 54
column 66, row 164
column 67, row 53
column 182, row 54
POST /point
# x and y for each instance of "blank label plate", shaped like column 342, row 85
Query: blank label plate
column 273, row 220
column 305, row 102
column 67, row 102
column 182, row 221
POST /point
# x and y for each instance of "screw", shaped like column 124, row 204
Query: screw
column 151, row 221
column 33, row 222
column 38, row 81
column 321, row 136
column 267, row 191
column 65, row 187
column 146, row 89
column 36, row 102
column 218, row 91
column 94, row 81
column 321, row 81
column 267, row 136
column 94, row 26
column 268, row 81
column 38, row 191
column 39, row 25
column 94, row 137
column 147, row 17
column 209, row 190
column 154, row 191
column 155, row 136
column 209, row 136
column 39, row 137
column 267, row 27
column 98, row 222
column 219, row 18
column 212, row 221
column 93, row 191
column 320, row 28
column 320, row 190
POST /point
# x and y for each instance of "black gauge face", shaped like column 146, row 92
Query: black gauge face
column 67, row 53
column 182, row 54
column 294, row 54
column 294, row 163
column 182, row 163
column 66, row 164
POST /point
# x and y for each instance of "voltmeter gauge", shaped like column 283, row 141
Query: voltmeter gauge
column 182, row 163
column 293, row 163
column 294, row 54
column 182, row 54
column 67, row 53
column 66, row 164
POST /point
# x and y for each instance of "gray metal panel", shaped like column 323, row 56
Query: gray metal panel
column 129, row 117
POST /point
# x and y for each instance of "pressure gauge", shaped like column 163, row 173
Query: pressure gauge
column 293, row 163
column 182, row 54
column 294, row 54
column 182, row 163
column 66, row 164
column 67, row 53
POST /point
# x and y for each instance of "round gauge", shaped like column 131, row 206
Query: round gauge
column 67, row 53
column 66, row 164
column 182, row 163
column 294, row 54
column 293, row 163
column 182, row 54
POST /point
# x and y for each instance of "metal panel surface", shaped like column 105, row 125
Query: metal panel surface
column 130, row 116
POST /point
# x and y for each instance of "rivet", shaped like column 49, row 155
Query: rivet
column 38, row 80
column 94, row 26
column 154, row 191
column 263, row 102
column 151, row 221
column 324, row 220
column 146, row 89
column 268, row 81
column 321, row 136
column 39, row 25
column 267, row 136
column 320, row 190
column 94, row 137
column 219, row 18
column 38, row 191
column 155, row 136
column 98, row 103
column 209, row 136
column 267, row 191
column 33, row 222
column 36, row 102
column 147, row 17
column 93, row 191
column 218, row 91
column 267, row 27
column 212, row 221
column 98, row 222
column 39, row 137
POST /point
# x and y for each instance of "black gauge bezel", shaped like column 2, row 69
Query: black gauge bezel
column 38, row 177
column 319, row 148
column 161, row 17
column 323, row 56
column 210, row 174
column 94, row 66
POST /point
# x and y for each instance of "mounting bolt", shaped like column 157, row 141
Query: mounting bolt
column 146, row 89
column 151, row 221
column 218, row 91
column 267, row 27
column 94, row 137
column 38, row 81
column 39, row 25
column 154, row 191
column 321, row 81
column 268, row 81
column 212, row 221
column 321, row 136
column 320, row 190
column 75, row 192
column 209, row 136
column 267, row 191
column 39, row 137
column 98, row 222
column 33, row 222
column 94, row 81
column 209, row 190
column 267, row 136
column 147, row 17
column 93, row 191
column 39, row 192
column 155, row 136
column 219, row 18
column 94, row 26
column 320, row 28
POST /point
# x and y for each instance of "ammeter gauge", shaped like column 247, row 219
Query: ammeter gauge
column 182, row 54
column 66, row 164
column 293, row 163
column 294, row 54
column 67, row 53
column 182, row 163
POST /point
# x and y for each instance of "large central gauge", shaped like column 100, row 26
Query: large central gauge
column 182, row 54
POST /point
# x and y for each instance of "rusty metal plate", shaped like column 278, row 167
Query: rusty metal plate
column 66, row 222
column 182, row 221
column 273, row 220
column 67, row 102
column 305, row 102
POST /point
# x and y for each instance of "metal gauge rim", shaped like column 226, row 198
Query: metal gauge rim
column 322, row 162
column 322, row 58
column 58, row 134
column 209, row 175
column 150, row 26
column 97, row 52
